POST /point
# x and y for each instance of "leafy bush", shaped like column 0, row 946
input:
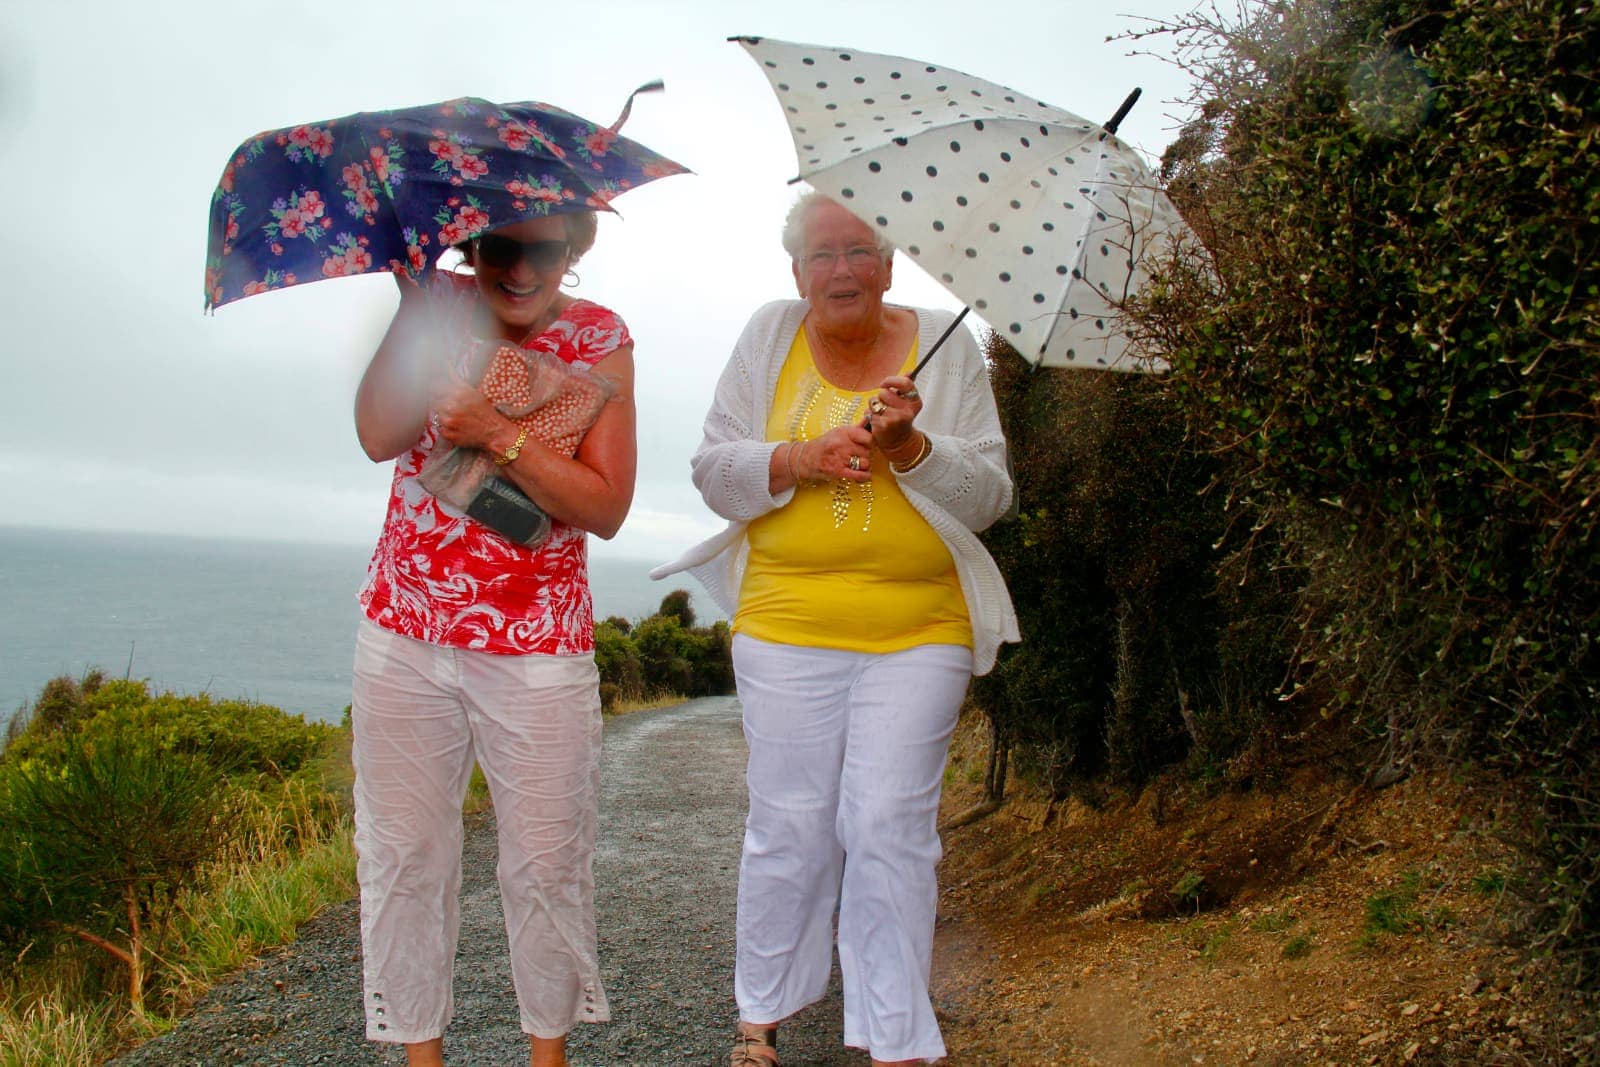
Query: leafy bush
column 1130, row 658
column 100, row 836
column 115, row 803
column 663, row 655
column 1396, row 342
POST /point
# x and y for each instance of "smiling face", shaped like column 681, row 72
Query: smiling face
column 845, row 297
column 520, row 295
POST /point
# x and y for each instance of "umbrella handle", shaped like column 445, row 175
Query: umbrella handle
column 866, row 423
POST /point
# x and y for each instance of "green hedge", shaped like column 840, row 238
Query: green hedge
column 1395, row 346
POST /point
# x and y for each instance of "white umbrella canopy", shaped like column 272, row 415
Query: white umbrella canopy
column 1043, row 222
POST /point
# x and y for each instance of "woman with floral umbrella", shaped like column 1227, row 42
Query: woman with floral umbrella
column 507, row 407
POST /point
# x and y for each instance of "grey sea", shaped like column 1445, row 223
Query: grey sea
column 265, row 621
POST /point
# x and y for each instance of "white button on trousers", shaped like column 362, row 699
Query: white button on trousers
column 421, row 714
column 847, row 755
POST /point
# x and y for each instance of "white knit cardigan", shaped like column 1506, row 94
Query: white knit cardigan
column 960, row 488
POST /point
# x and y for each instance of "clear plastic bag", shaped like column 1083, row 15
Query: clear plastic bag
column 556, row 402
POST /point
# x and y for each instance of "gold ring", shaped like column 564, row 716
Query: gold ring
column 911, row 394
column 878, row 407
column 855, row 463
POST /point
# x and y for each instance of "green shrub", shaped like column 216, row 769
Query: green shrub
column 99, row 837
column 1394, row 342
column 1130, row 658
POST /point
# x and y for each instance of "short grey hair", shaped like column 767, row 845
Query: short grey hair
column 794, row 225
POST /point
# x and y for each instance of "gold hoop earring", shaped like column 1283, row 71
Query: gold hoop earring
column 573, row 284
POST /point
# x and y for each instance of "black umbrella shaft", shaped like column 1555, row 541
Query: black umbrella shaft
column 948, row 330
column 1122, row 112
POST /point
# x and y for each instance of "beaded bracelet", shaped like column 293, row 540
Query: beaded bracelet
column 922, row 454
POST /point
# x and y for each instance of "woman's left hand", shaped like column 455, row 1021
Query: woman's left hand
column 465, row 416
column 892, row 413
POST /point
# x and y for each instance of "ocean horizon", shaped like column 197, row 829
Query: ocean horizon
column 267, row 621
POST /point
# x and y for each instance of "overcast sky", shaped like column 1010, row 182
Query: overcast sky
column 128, row 408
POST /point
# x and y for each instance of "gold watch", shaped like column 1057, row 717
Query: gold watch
column 515, row 450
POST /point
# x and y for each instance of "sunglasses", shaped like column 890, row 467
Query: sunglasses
column 503, row 253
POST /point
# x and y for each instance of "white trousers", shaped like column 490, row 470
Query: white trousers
column 422, row 714
column 847, row 756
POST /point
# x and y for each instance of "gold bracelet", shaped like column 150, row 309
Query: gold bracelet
column 788, row 462
column 514, row 451
column 922, row 454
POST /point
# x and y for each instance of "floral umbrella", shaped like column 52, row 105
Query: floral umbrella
column 391, row 190
column 1044, row 223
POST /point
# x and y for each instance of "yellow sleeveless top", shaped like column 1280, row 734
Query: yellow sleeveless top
column 846, row 565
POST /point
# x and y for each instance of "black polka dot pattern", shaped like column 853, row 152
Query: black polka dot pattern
column 1032, row 215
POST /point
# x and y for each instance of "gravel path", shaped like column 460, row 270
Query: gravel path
column 672, row 809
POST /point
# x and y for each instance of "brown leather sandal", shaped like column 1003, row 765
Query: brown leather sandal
column 754, row 1046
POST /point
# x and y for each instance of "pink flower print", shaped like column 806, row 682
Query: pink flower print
column 227, row 178
column 354, row 176
column 474, row 219
column 327, row 224
column 452, row 234
column 442, row 149
column 335, row 267
column 232, row 230
column 367, row 199
column 311, row 204
column 661, row 168
column 321, row 142
column 454, row 201
column 519, row 188
column 293, row 224
column 252, row 288
column 472, row 167
column 277, row 249
column 418, row 260
column 515, row 136
column 357, row 259
column 599, row 142
column 519, row 205
column 288, row 279
column 300, row 137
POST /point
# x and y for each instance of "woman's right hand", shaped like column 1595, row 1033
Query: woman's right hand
column 829, row 456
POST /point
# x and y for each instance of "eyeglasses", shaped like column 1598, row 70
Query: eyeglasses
column 503, row 253
column 856, row 258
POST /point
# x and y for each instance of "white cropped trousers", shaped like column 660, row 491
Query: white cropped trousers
column 422, row 714
column 847, row 754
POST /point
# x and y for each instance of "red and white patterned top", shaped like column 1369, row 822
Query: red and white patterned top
column 441, row 577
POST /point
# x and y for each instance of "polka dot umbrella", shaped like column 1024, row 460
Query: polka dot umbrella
column 1042, row 222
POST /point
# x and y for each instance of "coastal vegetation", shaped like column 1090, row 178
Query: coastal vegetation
column 1356, row 527
column 151, row 843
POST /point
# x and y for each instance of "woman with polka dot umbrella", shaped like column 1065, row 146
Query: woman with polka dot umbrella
column 1043, row 222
